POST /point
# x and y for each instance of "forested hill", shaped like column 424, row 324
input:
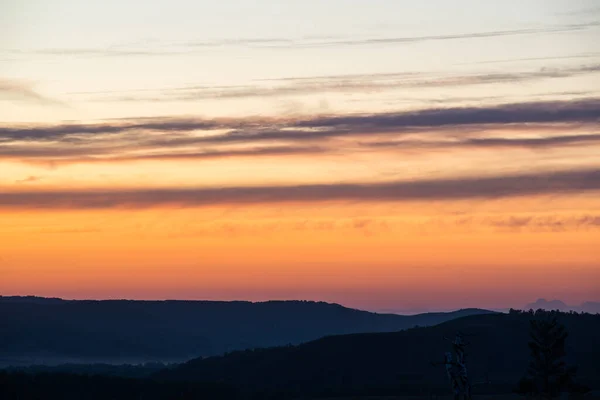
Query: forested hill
column 399, row 362
column 37, row 330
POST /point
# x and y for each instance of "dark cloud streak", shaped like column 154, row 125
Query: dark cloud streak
column 173, row 138
column 61, row 132
column 492, row 142
column 587, row 110
column 251, row 130
column 79, row 154
column 545, row 183
column 58, row 157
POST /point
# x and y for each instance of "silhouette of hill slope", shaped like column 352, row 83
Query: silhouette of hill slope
column 399, row 362
column 37, row 330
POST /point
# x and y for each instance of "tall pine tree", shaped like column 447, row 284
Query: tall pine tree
column 548, row 375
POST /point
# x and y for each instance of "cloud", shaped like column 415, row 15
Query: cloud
column 553, row 223
column 16, row 90
column 364, row 83
column 261, row 129
column 81, row 155
column 197, row 46
column 367, row 226
column 195, row 138
column 587, row 110
column 327, row 41
column 458, row 36
column 524, row 222
column 68, row 231
column 543, row 183
column 95, row 52
column 491, row 142
column 512, row 60
column 29, row 179
column 587, row 11
column 63, row 132
column 251, row 152
column 40, row 151
column 347, row 41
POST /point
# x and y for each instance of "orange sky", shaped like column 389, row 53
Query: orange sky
column 400, row 157
column 368, row 255
column 361, row 222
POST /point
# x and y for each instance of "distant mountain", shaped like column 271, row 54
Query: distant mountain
column 30, row 299
column 399, row 362
column 35, row 330
column 592, row 307
column 543, row 304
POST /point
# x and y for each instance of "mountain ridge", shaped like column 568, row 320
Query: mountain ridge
column 397, row 362
column 590, row 307
column 55, row 331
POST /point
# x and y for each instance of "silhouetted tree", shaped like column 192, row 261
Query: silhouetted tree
column 547, row 375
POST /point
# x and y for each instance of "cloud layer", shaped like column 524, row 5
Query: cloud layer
column 358, row 83
column 547, row 183
column 575, row 123
column 195, row 46
column 584, row 111
column 16, row 90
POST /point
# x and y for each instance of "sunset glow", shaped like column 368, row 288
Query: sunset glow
column 292, row 152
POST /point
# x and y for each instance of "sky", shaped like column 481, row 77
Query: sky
column 382, row 154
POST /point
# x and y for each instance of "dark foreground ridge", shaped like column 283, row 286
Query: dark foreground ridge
column 357, row 366
column 38, row 330
column 399, row 362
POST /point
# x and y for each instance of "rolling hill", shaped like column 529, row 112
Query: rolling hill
column 53, row 331
column 398, row 362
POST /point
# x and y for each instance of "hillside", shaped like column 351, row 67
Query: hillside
column 399, row 362
column 51, row 331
